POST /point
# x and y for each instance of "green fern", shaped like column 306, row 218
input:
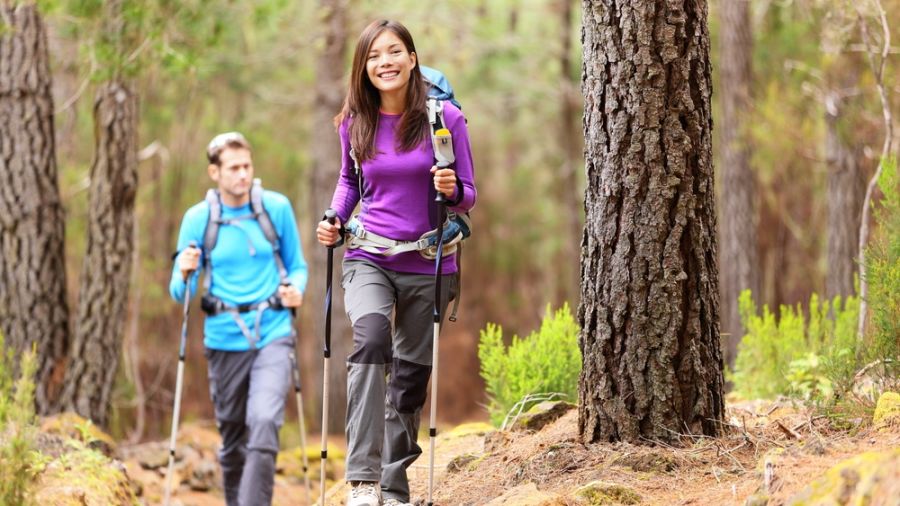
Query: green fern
column 545, row 361
column 17, row 429
column 883, row 274
column 812, row 357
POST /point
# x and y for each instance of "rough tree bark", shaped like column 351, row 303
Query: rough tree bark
column 739, row 260
column 330, row 89
column 106, row 270
column 649, row 312
column 33, row 307
column 845, row 192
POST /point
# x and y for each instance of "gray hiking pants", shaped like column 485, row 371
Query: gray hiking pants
column 382, row 414
column 248, row 391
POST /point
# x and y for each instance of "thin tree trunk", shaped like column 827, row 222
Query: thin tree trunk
column 106, row 271
column 570, row 199
column 326, row 156
column 33, row 307
column 845, row 191
column 878, row 67
column 738, row 255
column 649, row 312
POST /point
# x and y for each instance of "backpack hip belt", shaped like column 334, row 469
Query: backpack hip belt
column 456, row 228
column 212, row 306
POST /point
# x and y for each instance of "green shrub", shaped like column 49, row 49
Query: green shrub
column 547, row 361
column 818, row 358
column 883, row 274
column 17, row 430
column 811, row 357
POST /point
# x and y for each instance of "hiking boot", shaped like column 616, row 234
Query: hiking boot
column 364, row 493
column 395, row 502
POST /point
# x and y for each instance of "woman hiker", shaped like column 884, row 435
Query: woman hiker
column 384, row 126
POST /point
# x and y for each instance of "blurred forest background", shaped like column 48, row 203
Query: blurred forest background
column 805, row 130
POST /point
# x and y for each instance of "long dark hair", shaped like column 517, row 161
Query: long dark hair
column 363, row 100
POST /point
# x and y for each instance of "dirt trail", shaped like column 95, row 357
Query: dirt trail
column 799, row 445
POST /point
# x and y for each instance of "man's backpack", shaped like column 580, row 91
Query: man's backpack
column 213, row 305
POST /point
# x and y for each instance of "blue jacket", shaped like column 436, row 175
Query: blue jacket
column 244, row 270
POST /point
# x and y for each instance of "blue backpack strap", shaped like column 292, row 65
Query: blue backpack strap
column 211, row 235
column 268, row 228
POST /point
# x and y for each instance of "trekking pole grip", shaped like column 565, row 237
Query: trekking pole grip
column 440, row 198
column 293, row 309
column 192, row 244
column 331, row 216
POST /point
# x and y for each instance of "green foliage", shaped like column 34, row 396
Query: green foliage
column 17, row 457
column 811, row 357
column 883, row 273
column 548, row 360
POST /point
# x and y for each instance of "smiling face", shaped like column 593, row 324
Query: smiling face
column 389, row 64
column 233, row 175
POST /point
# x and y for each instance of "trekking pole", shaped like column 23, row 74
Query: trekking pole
column 179, row 383
column 331, row 216
column 442, row 142
column 438, row 270
column 299, row 398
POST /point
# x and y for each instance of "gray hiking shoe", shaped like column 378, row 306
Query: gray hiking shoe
column 395, row 502
column 364, row 493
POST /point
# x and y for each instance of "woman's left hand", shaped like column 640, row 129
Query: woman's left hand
column 444, row 180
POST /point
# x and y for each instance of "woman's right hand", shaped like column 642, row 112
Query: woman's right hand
column 328, row 234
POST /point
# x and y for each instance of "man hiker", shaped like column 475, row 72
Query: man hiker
column 247, row 242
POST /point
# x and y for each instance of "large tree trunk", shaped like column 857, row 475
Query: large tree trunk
column 106, row 271
column 845, row 192
column 649, row 312
column 330, row 89
column 738, row 255
column 33, row 308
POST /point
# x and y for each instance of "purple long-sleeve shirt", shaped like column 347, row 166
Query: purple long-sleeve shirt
column 398, row 196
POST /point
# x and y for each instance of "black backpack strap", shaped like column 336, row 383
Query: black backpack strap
column 459, row 248
column 357, row 168
column 268, row 228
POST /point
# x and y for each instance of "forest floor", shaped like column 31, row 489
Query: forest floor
column 799, row 446
column 479, row 466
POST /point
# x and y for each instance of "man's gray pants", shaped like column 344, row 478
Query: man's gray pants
column 382, row 414
column 248, row 391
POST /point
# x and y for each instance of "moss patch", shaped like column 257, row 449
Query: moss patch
column 887, row 411
column 469, row 429
column 85, row 477
column 542, row 414
column 599, row 493
column 462, row 462
column 648, row 463
column 858, row 480
column 290, row 463
column 69, row 425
